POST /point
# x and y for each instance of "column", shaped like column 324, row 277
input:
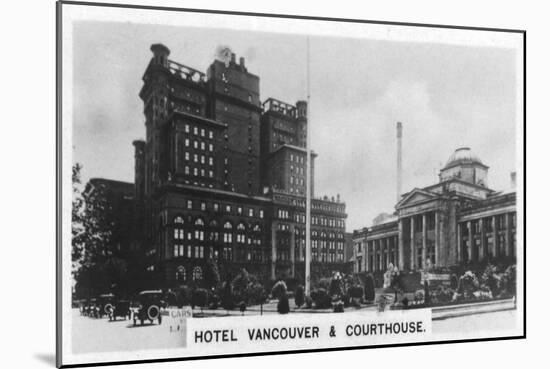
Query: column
column 459, row 241
column 483, row 240
column 401, row 263
column 412, row 244
column 495, row 236
column 436, row 238
column 273, row 248
column 424, row 238
column 388, row 252
column 367, row 265
column 471, row 240
column 292, row 251
column 507, row 235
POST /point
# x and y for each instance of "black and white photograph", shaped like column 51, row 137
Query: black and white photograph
column 239, row 184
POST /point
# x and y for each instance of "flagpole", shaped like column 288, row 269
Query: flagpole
column 308, row 183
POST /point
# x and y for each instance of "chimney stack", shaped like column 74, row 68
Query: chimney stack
column 399, row 159
column 513, row 180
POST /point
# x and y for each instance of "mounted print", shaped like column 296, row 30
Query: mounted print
column 241, row 184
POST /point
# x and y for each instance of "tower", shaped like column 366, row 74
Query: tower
column 399, row 159
column 234, row 100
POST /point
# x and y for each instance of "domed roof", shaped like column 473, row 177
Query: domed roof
column 463, row 155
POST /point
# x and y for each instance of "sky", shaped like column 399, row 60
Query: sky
column 446, row 96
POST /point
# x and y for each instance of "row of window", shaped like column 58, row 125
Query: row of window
column 199, row 145
column 198, row 172
column 203, row 206
column 199, row 131
column 202, row 158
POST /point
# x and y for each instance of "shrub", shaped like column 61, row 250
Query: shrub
column 309, row 302
column 256, row 293
column 184, row 297
column 419, row 297
column 321, row 298
column 279, row 289
column 490, row 279
column 336, row 288
column 468, row 284
column 242, row 307
column 442, row 294
column 369, row 288
column 282, row 306
column 324, row 283
column 227, row 297
column 339, row 307
column 200, row 298
column 299, row 296
column 356, row 292
column 214, row 301
column 508, row 282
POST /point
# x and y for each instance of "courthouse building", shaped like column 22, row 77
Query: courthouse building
column 221, row 176
column 458, row 221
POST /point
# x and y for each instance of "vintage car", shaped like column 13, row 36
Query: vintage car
column 148, row 306
column 120, row 309
column 104, row 305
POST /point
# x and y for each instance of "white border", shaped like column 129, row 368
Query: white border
column 72, row 13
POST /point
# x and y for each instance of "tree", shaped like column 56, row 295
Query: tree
column 211, row 274
column 98, row 267
column 77, row 227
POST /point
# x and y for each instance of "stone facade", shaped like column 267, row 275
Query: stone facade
column 457, row 221
column 221, row 176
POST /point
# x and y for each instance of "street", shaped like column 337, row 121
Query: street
column 102, row 335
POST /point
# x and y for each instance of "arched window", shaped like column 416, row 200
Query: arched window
column 199, row 233
column 197, row 273
column 214, row 235
column 227, row 234
column 180, row 273
column 240, row 233
column 178, row 228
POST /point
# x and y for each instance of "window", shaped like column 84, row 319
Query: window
column 216, row 206
column 210, row 134
column 178, row 228
column 197, row 273
column 186, row 169
column 261, row 213
column 250, row 212
column 187, row 128
column 189, row 204
column 203, row 145
column 195, row 171
column 196, row 144
column 195, row 158
column 203, row 206
column 180, row 273
column 210, row 147
column 202, row 132
column 211, row 174
column 210, row 161
column 228, row 208
column 186, row 142
column 186, row 155
column 239, row 210
column 195, row 130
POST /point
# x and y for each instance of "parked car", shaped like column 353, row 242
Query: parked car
column 148, row 306
column 104, row 305
column 121, row 309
